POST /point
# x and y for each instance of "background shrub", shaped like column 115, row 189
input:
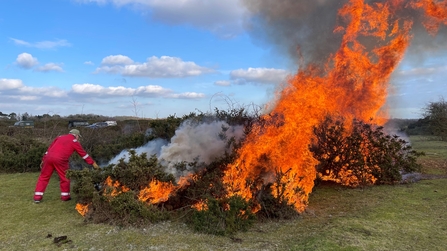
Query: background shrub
column 20, row 154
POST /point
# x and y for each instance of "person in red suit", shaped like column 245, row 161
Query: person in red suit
column 57, row 158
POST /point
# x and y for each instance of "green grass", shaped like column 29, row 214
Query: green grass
column 433, row 148
column 435, row 159
column 401, row 217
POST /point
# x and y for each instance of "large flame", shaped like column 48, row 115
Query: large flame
column 353, row 84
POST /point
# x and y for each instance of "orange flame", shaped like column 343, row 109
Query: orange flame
column 201, row 205
column 156, row 192
column 184, row 180
column 353, row 84
column 114, row 188
column 82, row 208
column 435, row 13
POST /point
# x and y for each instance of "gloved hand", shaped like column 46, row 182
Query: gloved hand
column 95, row 165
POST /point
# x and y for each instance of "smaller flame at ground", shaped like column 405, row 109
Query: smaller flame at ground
column 82, row 208
column 114, row 188
column 202, row 205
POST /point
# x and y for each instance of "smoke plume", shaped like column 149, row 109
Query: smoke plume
column 193, row 141
column 202, row 142
column 306, row 28
column 151, row 148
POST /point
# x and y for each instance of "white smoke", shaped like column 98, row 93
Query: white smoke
column 393, row 128
column 151, row 148
column 202, row 142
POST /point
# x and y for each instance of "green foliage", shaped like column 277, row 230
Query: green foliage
column 237, row 117
column 419, row 127
column 436, row 114
column 124, row 210
column 223, row 216
column 433, row 122
column 363, row 156
column 85, row 182
column 20, row 154
column 274, row 207
column 164, row 128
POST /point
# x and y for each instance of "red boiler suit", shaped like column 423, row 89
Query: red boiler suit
column 57, row 158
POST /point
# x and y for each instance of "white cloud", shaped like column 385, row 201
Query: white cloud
column 8, row 84
column 224, row 18
column 222, row 83
column 89, row 63
column 142, row 91
column 26, row 60
column 116, row 60
column 97, row 90
column 115, row 69
column 28, row 98
column 154, row 67
column 259, row 75
column 188, row 95
column 20, row 42
column 42, row 44
column 152, row 90
column 51, row 91
column 50, row 67
column 16, row 88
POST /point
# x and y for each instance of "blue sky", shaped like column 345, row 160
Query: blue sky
column 152, row 59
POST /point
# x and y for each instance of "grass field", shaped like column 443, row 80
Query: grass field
column 402, row 217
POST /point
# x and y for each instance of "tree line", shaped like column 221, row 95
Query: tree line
column 433, row 122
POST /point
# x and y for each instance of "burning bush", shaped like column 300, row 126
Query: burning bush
column 117, row 188
column 140, row 190
column 361, row 154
